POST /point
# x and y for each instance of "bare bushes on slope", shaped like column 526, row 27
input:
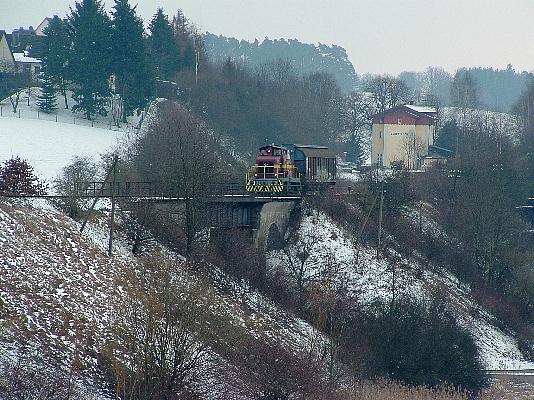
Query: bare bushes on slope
column 418, row 343
column 154, row 355
column 25, row 378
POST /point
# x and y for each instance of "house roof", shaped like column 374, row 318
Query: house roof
column 7, row 36
column 436, row 151
column 415, row 111
column 422, row 109
column 24, row 58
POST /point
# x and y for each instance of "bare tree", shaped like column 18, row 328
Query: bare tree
column 305, row 264
column 387, row 92
column 155, row 354
column 16, row 84
column 361, row 109
column 182, row 155
column 435, row 90
column 72, row 181
column 413, row 149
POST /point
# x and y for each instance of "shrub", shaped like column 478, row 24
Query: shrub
column 418, row 343
column 233, row 250
column 72, row 178
column 17, row 178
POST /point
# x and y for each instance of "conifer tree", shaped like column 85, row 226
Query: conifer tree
column 134, row 80
column 47, row 101
column 17, row 177
column 90, row 62
column 163, row 48
column 56, row 55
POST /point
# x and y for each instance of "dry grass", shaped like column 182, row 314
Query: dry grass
column 510, row 388
column 384, row 390
column 502, row 388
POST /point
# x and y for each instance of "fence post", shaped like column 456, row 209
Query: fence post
column 19, row 112
column 1, row 112
column 56, row 117
column 37, row 114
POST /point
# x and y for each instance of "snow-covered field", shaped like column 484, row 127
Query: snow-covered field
column 49, row 146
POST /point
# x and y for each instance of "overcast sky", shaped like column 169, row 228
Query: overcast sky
column 379, row 35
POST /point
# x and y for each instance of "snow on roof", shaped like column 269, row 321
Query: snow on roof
column 23, row 58
column 421, row 109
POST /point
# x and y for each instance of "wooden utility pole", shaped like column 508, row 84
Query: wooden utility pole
column 380, row 221
column 100, row 192
column 112, row 216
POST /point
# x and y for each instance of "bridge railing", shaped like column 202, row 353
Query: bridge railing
column 159, row 189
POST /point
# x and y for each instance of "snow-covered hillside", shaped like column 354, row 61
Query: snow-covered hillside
column 368, row 278
column 59, row 293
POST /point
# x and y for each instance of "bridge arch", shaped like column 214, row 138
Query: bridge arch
column 275, row 240
column 274, row 219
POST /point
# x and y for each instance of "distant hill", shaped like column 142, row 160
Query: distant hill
column 305, row 58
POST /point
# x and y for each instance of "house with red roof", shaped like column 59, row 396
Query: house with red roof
column 401, row 136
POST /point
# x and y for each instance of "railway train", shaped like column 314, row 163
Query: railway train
column 290, row 168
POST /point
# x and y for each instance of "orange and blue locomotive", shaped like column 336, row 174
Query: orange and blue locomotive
column 291, row 168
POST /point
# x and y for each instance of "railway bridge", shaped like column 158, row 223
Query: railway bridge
column 221, row 207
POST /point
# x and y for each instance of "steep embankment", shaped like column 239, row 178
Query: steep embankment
column 367, row 278
column 61, row 300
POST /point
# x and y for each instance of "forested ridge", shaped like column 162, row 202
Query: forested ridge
column 304, row 58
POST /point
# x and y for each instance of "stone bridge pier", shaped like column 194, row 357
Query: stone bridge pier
column 274, row 220
column 266, row 219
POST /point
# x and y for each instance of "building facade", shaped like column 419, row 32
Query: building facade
column 21, row 50
column 7, row 61
column 402, row 135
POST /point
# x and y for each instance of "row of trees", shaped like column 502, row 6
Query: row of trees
column 485, row 88
column 100, row 56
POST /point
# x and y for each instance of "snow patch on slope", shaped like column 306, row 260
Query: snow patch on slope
column 369, row 278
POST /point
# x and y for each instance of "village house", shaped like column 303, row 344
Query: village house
column 401, row 136
column 7, row 61
column 21, row 50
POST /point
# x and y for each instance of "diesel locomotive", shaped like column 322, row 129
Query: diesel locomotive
column 290, row 168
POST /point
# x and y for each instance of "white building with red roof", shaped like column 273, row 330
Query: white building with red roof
column 401, row 136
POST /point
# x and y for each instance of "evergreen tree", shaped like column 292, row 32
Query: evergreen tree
column 185, row 39
column 90, row 65
column 134, row 78
column 163, row 47
column 17, row 177
column 56, row 55
column 47, row 101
